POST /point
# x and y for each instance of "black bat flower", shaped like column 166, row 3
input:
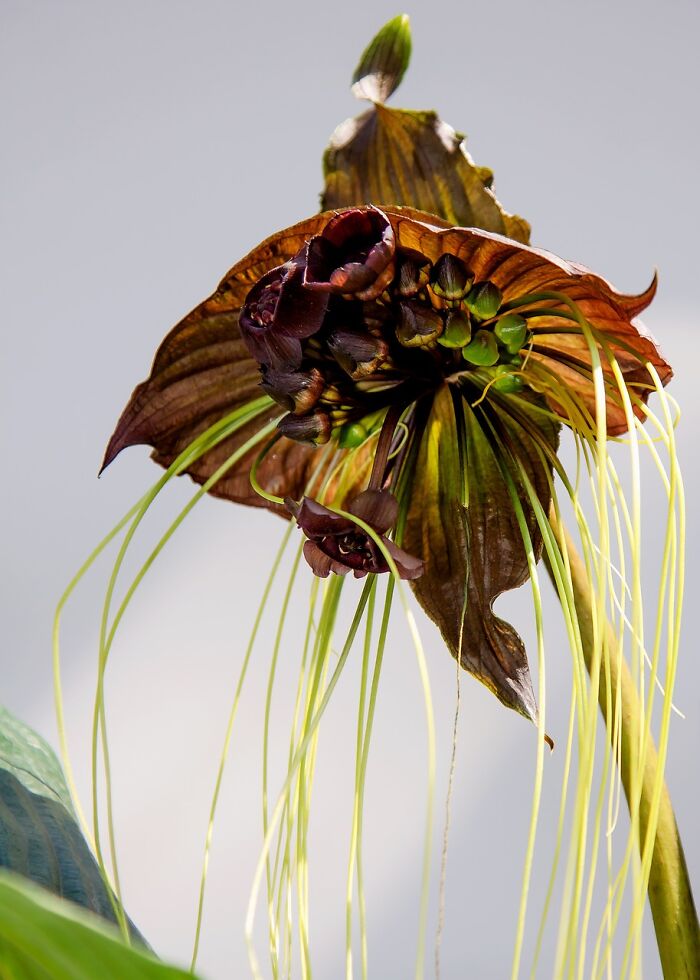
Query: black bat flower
column 440, row 363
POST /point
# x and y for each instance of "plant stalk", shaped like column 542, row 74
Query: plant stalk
column 670, row 896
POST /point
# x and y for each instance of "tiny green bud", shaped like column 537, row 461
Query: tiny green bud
column 351, row 435
column 506, row 382
column 484, row 300
column 511, row 330
column 458, row 330
column 483, row 349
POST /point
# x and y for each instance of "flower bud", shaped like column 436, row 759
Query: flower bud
column 418, row 324
column 507, row 382
column 458, row 330
column 357, row 352
column 511, row 330
column 413, row 272
column 484, row 300
column 314, row 428
column 450, row 278
column 297, row 391
column 352, row 435
column 483, row 349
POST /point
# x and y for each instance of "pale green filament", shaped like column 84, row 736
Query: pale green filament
column 611, row 546
column 610, row 604
column 228, row 735
column 207, row 440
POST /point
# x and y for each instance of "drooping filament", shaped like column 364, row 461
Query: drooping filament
column 613, row 548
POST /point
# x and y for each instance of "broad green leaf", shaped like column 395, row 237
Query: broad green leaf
column 462, row 522
column 31, row 760
column 44, row 938
column 384, row 61
column 39, row 836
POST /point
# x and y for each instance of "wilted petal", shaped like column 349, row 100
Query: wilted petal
column 408, row 566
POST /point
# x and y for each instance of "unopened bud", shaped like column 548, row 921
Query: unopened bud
column 297, row 391
column 315, row 428
column 458, row 330
column 507, row 382
column 351, row 435
column 484, row 300
column 357, row 352
column 511, row 330
column 413, row 273
column 418, row 324
column 483, row 349
column 450, row 278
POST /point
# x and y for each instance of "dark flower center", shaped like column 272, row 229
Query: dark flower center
column 353, row 324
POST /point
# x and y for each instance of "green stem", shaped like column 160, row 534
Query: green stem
column 670, row 895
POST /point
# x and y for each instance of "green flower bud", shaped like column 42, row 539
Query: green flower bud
column 484, row 300
column 351, row 435
column 511, row 330
column 458, row 330
column 483, row 349
column 507, row 382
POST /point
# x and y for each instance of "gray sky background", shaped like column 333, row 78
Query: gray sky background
column 145, row 147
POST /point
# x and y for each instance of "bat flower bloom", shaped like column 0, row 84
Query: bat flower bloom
column 417, row 376
column 337, row 544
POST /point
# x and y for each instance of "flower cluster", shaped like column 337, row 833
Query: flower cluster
column 354, row 323
column 418, row 375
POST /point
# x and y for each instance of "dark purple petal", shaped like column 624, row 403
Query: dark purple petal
column 315, row 520
column 378, row 508
column 314, row 428
column 278, row 313
column 408, row 566
column 354, row 254
column 321, row 563
column 297, row 391
column 300, row 311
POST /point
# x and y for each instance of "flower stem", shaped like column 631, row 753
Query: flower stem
column 669, row 891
